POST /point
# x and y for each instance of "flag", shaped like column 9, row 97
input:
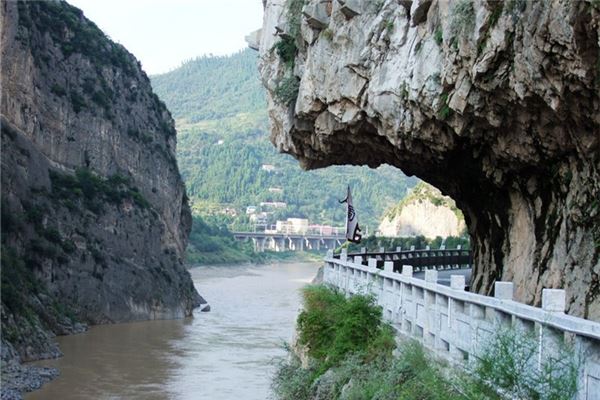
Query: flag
column 353, row 233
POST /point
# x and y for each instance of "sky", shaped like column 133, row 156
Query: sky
column 164, row 33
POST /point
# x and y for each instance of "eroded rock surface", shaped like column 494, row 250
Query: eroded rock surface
column 494, row 103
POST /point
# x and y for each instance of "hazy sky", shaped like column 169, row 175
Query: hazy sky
column 163, row 33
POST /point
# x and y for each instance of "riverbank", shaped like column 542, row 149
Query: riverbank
column 236, row 257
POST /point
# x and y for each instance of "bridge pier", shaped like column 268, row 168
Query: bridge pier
column 296, row 242
column 280, row 245
column 259, row 244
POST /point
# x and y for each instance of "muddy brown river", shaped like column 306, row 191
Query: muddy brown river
column 226, row 354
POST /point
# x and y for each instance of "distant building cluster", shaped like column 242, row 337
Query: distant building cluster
column 262, row 218
column 300, row 226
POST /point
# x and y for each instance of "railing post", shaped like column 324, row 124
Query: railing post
column 504, row 290
column 330, row 253
column 372, row 263
column 388, row 266
column 553, row 300
column 431, row 276
column 407, row 270
column 412, row 248
column 382, row 249
column 398, row 249
column 344, row 255
column 457, row 282
column 363, row 250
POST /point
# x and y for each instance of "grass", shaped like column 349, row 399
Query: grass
column 438, row 36
column 445, row 111
column 507, row 361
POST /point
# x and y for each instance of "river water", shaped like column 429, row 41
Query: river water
column 227, row 353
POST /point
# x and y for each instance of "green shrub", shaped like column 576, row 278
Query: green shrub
column 58, row 90
column 77, row 101
column 52, row 235
column 133, row 132
column 389, row 25
column 438, row 36
column 139, row 199
column 333, row 326
column 287, row 90
column 69, row 246
column 445, row 110
column 286, row 49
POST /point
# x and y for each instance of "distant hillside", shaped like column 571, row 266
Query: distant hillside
column 424, row 212
column 227, row 161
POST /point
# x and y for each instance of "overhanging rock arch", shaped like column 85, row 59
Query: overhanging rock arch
column 495, row 103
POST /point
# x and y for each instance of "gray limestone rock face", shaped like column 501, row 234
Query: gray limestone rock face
column 95, row 217
column 495, row 103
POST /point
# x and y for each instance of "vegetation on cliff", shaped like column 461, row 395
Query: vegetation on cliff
column 346, row 351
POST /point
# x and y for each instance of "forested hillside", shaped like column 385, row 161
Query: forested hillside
column 227, row 161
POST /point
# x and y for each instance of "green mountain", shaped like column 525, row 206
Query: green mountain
column 228, row 163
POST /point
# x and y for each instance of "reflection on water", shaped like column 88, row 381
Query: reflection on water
column 224, row 354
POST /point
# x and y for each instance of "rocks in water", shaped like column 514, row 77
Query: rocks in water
column 497, row 104
column 205, row 307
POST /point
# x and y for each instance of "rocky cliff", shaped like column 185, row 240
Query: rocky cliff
column 426, row 212
column 495, row 103
column 95, row 217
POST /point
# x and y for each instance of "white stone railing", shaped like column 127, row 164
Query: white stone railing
column 456, row 325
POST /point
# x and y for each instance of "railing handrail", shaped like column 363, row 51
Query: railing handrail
column 401, row 252
column 307, row 235
column 560, row 321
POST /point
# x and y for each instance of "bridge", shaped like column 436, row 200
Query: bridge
column 279, row 241
column 457, row 325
